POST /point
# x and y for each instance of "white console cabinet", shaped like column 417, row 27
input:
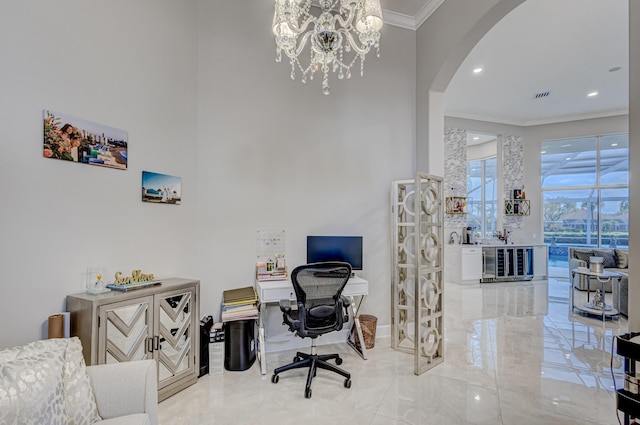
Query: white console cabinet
column 159, row 322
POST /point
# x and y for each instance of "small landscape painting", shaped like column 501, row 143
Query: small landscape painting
column 161, row 188
column 78, row 140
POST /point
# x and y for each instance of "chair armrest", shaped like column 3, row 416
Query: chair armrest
column 290, row 314
column 574, row 263
column 286, row 306
column 125, row 388
column 346, row 302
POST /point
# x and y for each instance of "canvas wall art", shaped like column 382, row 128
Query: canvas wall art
column 161, row 188
column 78, row 140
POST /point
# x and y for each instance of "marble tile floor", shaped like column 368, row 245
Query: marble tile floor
column 513, row 355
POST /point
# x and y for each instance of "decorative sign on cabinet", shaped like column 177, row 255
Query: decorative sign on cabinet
column 159, row 322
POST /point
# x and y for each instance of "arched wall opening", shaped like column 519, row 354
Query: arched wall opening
column 443, row 42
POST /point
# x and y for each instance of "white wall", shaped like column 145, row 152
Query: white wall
column 276, row 154
column 129, row 65
column 202, row 98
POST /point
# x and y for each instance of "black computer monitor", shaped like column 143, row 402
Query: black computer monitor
column 335, row 248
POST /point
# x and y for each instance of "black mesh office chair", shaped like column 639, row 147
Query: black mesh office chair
column 321, row 308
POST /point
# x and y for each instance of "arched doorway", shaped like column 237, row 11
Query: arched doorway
column 442, row 46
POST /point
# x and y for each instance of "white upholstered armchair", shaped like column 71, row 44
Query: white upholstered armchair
column 47, row 382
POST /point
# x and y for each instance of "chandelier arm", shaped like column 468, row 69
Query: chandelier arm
column 348, row 23
column 360, row 49
column 303, row 42
column 298, row 29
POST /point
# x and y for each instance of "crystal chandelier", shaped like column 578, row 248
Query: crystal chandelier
column 355, row 27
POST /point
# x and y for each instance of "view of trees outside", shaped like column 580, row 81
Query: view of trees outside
column 585, row 187
column 482, row 207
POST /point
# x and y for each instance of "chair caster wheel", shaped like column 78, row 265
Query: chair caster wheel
column 307, row 393
column 347, row 383
column 338, row 361
column 276, row 378
column 296, row 359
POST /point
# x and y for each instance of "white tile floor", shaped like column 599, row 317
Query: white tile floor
column 513, row 355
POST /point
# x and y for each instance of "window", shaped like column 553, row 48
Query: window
column 482, row 213
column 585, row 188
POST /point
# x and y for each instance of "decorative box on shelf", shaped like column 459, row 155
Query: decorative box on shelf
column 517, row 207
column 456, row 204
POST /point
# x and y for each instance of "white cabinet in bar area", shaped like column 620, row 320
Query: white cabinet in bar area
column 495, row 263
column 540, row 262
column 471, row 264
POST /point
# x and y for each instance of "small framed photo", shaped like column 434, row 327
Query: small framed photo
column 161, row 188
column 517, row 193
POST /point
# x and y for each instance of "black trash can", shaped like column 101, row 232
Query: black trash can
column 205, row 328
column 239, row 344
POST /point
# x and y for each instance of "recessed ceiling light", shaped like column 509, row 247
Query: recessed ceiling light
column 614, row 144
column 476, row 138
column 543, row 151
column 567, row 145
column 592, row 94
column 568, row 159
column 615, row 69
column 477, row 70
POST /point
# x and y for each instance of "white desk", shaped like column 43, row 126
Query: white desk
column 271, row 292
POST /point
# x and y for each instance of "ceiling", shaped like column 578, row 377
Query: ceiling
column 558, row 50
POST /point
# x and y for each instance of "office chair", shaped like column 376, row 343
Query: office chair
column 321, row 309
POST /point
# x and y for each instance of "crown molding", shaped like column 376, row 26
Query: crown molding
column 529, row 123
column 426, row 11
column 399, row 20
column 410, row 22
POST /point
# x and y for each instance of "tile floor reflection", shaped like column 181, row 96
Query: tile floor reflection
column 513, row 355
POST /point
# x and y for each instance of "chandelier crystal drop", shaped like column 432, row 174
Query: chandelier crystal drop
column 351, row 32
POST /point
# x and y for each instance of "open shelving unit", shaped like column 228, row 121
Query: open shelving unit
column 456, row 204
column 517, row 207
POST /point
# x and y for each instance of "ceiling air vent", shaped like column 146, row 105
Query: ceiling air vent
column 541, row 94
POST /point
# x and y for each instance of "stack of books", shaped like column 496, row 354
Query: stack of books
column 239, row 304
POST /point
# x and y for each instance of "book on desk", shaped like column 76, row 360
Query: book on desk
column 239, row 304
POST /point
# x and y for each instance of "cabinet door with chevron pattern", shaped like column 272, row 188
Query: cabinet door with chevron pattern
column 126, row 331
column 175, row 316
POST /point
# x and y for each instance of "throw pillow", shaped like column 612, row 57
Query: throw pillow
column 583, row 255
column 78, row 395
column 608, row 258
column 622, row 258
column 32, row 389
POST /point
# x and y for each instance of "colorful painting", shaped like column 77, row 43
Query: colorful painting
column 161, row 188
column 78, row 140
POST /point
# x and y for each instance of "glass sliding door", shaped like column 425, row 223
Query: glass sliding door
column 585, row 190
